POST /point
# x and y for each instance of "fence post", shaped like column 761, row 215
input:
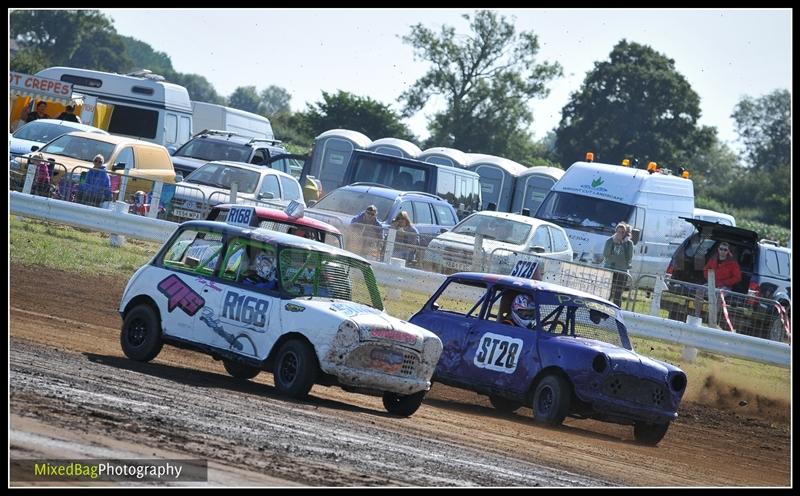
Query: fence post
column 119, row 208
column 712, row 299
column 124, row 184
column 477, row 253
column 234, row 192
column 155, row 200
column 658, row 288
column 388, row 248
column 29, row 175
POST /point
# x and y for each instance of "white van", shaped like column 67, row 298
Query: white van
column 222, row 118
column 139, row 105
column 714, row 216
column 591, row 198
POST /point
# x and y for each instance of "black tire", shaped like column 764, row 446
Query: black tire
column 776, row 331
column 141, row 334
column 296, row 369
column 240, row 370
column 503, row 405
column 551, row 400
column 649, row 434
column 402, row 405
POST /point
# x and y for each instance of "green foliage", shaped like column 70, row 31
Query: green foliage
column 634, row 104
column 245, row 98
column 714, row 169
column 292, row 128
column 143, row 56
column 275, row 100
column 764, row 125
column 29, row 61
column 766, row 231
column 486, row 80
column 363, row 114
column 101, row 50
column 200, row 90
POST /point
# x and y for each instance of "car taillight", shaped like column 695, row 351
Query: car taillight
column 753, row 289
column 669, row 270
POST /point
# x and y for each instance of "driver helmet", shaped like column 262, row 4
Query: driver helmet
column 265, row 266
column 522, row 310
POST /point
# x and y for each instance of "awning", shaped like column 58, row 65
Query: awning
column 39, row 88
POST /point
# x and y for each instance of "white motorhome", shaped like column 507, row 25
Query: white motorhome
column 714, row 216
column 222, row 118
column 140, row 105
column 591, row 198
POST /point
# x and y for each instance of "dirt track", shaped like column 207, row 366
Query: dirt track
column 73, row 392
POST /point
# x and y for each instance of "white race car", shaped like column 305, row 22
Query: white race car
column 263, row 300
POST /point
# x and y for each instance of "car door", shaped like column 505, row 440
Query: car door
column 425, row 221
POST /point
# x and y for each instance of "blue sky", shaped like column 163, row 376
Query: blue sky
column 725, row 54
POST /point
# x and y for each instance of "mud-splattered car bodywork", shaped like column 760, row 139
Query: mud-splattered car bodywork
column 573, row 357
column 316, row 318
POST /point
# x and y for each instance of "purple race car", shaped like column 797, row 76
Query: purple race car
column 559, row 350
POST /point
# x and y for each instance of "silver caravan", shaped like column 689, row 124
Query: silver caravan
column 395, row 147
column 498, row 177
column 332, row 150
column 140, row 105
column 591, row 198
column 445, row 156
column 532, row 187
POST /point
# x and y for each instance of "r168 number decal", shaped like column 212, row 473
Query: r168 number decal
column 497, row 352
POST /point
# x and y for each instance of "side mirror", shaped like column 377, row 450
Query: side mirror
column 178, row 177
column 118, row 166
column 537, row 249
column 636, row 235
column 34, row 148
column 171, row 149
column 267, row 195
column 526, row 212
column 492, row 206
column 435, row 305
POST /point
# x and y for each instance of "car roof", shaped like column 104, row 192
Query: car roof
column 231, row 136
column 718, row 229
column 113, row 139
column 268, row 235
column 72, row 124
column 524, row 283
column 281, row 216
column 533, row 221
column 391, row 193
column 255, row 168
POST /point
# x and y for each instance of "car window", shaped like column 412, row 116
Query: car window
column 444, row 215
column 560, row 242
column 291, row 189
column 462, row 299
column 579, row 318
column 542, row 238
column 408, row 207
column 777, row 262
column 422, row 213
column 78, row 147
column 125, row 156
column 194, row 251
column 352, row 202
column 41, row 132
column 260, row 156
column 205, row 149
column 269, row 187
column 241, row 260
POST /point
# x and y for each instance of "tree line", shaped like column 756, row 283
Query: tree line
column 633, row 105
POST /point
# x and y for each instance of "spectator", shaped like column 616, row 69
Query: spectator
column 407, row 237
column 69, row 114
column 366, row 231
column 726, row 268
column 618, row 253
column 40, row 113
column 97, row 186
column 369, row 217
column 23, row 119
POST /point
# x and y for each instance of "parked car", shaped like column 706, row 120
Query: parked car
column 766, row 273
column 211, row 184
column 562, row 352
column 430, row 214
column 35, row 134
column 210, row 145
column 263, row 300
column 278, row 220
column 73, row 154
column 508, row 238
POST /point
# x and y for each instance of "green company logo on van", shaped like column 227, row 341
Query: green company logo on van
column 597, row 182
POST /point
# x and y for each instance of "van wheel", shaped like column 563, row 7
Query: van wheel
column 296, row 369
column 551, row 400
column 649, row 434
column 402, row 405
column 503, row 405
column 141, row 334
column 240, row 370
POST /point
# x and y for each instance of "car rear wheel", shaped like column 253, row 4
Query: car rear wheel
column 551, row 400
column 649, row 434
column 402, row 405
column 240, row 370
column 141, row 334
column 296, row 369
column 503, row 405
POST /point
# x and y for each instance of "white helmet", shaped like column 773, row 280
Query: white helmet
column 265, row 266
column 523, row 311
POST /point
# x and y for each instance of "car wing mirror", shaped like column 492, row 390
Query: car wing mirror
column 118, row 166
column 34, row 148
column 267, row 195
column 537, row 249
column 435, row 305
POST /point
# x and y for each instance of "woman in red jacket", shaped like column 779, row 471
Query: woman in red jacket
column 725, row 267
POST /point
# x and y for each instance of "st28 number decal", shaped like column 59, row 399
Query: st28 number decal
column 497, row 352
column 524, row 268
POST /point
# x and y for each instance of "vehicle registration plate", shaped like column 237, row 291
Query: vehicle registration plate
column 186, row 213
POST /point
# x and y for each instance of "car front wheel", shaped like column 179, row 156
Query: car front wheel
column 551, row 400
column 649, row 434
column 296, row 369
column 141, row 334
column 402, row 405
column 240, row 370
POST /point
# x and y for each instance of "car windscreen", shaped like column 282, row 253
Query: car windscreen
column 584, row 213
column 354, row 202
column 392, row 173
column 208, row 150
column 222, row 176
column 581, row 317
column 79, row 147
column 311, row 273
column 42, row 131
column 496, row 228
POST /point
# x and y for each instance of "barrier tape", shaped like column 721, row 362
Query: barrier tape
column 725, row 311
column 784, row 320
